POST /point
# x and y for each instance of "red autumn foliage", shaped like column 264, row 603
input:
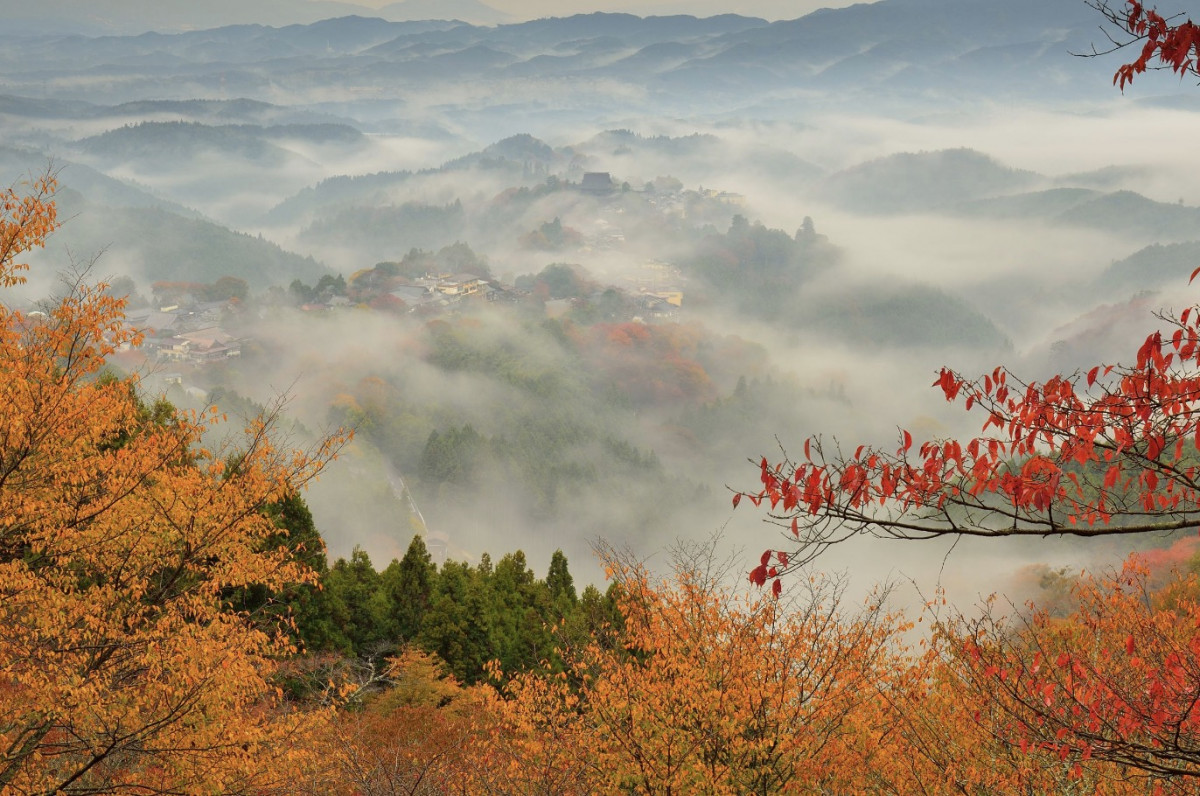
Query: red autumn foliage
column 1165, row 42
column 1110, row 451
column 1115, row 681
column 651, row 364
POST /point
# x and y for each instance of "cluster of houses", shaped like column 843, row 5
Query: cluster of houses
column 656, row 288
column 433, row 294
column 653, row 293
column 643, row 306
column 190, row 334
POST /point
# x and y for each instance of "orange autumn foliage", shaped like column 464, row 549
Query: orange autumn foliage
column 121, row 666
column 710, row 691
column 421, row 734
column 650, row 363
column 946, row 734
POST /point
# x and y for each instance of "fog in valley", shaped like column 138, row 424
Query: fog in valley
column 569, row 279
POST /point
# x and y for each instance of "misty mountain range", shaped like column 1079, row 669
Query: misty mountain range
column 969, row 183
column 953, row 182
column 842, row 200
column 926, row 51
column 132, row 17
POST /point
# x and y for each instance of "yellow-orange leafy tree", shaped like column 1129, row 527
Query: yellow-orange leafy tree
column 420, row 733
column 710, row 692
column 122, row 667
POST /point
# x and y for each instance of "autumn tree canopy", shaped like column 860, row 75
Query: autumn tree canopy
column 704, row 690
column 1102, row 700
column 123, row 665
column 1114, row 681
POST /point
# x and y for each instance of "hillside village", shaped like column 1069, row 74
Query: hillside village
column 183, row 326
column 195, row 333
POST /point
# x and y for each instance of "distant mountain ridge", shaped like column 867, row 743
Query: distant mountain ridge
column 233, row 111
column 133, row 17
column 178, row 140
column 963, row 182
column 471, row 11
column 891, row 51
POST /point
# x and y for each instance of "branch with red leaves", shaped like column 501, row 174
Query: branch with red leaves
column 1117, row 681
column 1110, row 451
column 1165, row 42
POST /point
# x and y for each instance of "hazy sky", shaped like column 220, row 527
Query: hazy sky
column 770, row 9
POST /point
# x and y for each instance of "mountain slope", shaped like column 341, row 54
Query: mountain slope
column 152, row 243
column 923, row 181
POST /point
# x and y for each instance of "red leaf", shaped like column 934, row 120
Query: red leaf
column 758, row 576
column 1129, row 646
column 765, row 558
column 783, row 558
column 907, row 441
column 737, row 498
column 1148, row 350
column 776, row 587
column 795, row 527
column 1091, row 377
column 1193, row 276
